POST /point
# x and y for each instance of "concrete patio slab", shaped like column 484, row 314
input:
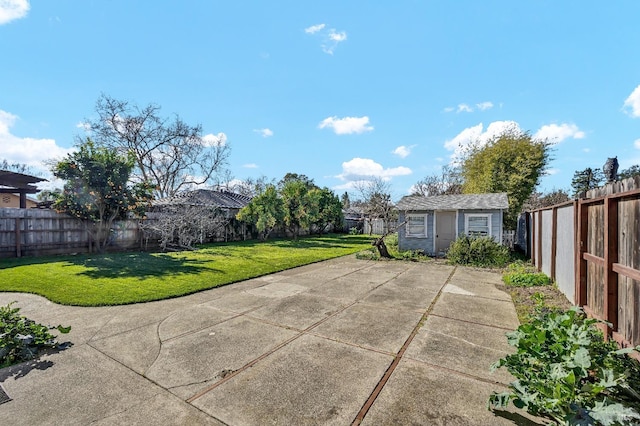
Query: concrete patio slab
column 418, row 394
column 481, row 310
column 304, row 346
column 461, row 346
column 481, row 289
column 299, row 311
column 80, row 386
column 195, row 319
column 161, row 409
column 347, row 289
column 401, row 298
column 311, row 381
column 210, row 353
column 375, row 327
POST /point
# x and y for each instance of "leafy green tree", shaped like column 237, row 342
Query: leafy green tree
column 584, row 180
column 511, row 162
column 630, row 172
column 265, row 211
column 325, row 209
column 98, row 189
column 49, row 195
column 306, row 180
column 297, row 206
column 346, row 202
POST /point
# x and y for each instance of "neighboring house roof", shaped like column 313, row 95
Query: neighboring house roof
column 206, row 197
column 19, row 181
column 455, row 202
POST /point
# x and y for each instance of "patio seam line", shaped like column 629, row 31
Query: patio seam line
column 451, row 336
column 161, row 389
column 474, row 322
column 283, row 344
column 475, row 296
column 355, row 345
column 459, row 373
column 387, row 374
column 254, row 361
column 187, row 333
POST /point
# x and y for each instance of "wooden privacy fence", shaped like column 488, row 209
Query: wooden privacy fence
column 596, row 237
column 36, row 232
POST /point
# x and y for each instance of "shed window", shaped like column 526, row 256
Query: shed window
column 417, row 225
column 478, row 225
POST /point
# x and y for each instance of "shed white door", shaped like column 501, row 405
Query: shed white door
column 445, row 230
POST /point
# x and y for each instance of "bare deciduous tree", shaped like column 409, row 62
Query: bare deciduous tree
column 376, row 204
column 447, row 183
column 170, row 154
column 181, row 226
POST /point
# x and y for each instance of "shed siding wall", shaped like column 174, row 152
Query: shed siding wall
column 426, row 244
column 412, row 243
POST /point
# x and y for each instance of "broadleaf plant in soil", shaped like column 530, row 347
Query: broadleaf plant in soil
column 565, row 371
column 22, row 339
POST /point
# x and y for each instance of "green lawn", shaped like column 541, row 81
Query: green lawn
column 122, row 278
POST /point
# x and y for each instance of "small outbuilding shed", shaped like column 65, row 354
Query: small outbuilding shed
column 432, row 223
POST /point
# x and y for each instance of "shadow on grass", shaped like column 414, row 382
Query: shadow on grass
column 141, row 265
column 334, row 241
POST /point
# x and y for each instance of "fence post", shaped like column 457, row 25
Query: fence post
column 611, row 257
column 580, row 249
column 532, row 238
column 18, row 238
column 554, row 241
column 539, row 241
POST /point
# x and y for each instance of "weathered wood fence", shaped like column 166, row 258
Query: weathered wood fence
column 36, row 232
column 591, row 248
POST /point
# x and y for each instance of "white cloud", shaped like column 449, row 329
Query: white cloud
column 337, row 36
column 265, row 133
column 346, row 125
column 364, row 169
column 632, row 103
column 483, row 106
column 552, row 171
column 402, row 151
column 636, row 144
column 555, row 133
column 476, row 134
column 314, row 28
column 330, row 37
column 13, row 9
column 464, row 108
column 215, row 140
column 250, row 166
column 449, row 109
column 586, row 150
column 30, row 151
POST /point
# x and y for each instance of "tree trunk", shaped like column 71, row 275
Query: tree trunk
column 382, row 248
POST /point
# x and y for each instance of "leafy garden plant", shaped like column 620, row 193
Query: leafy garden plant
column 522, row 274
column 21, row 338
column 565, row 371
column 478, row 251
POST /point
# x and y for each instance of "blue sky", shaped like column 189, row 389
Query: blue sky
column 339, row 91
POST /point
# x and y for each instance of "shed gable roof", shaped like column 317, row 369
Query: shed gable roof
column 492, row 201
column 207, row 197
